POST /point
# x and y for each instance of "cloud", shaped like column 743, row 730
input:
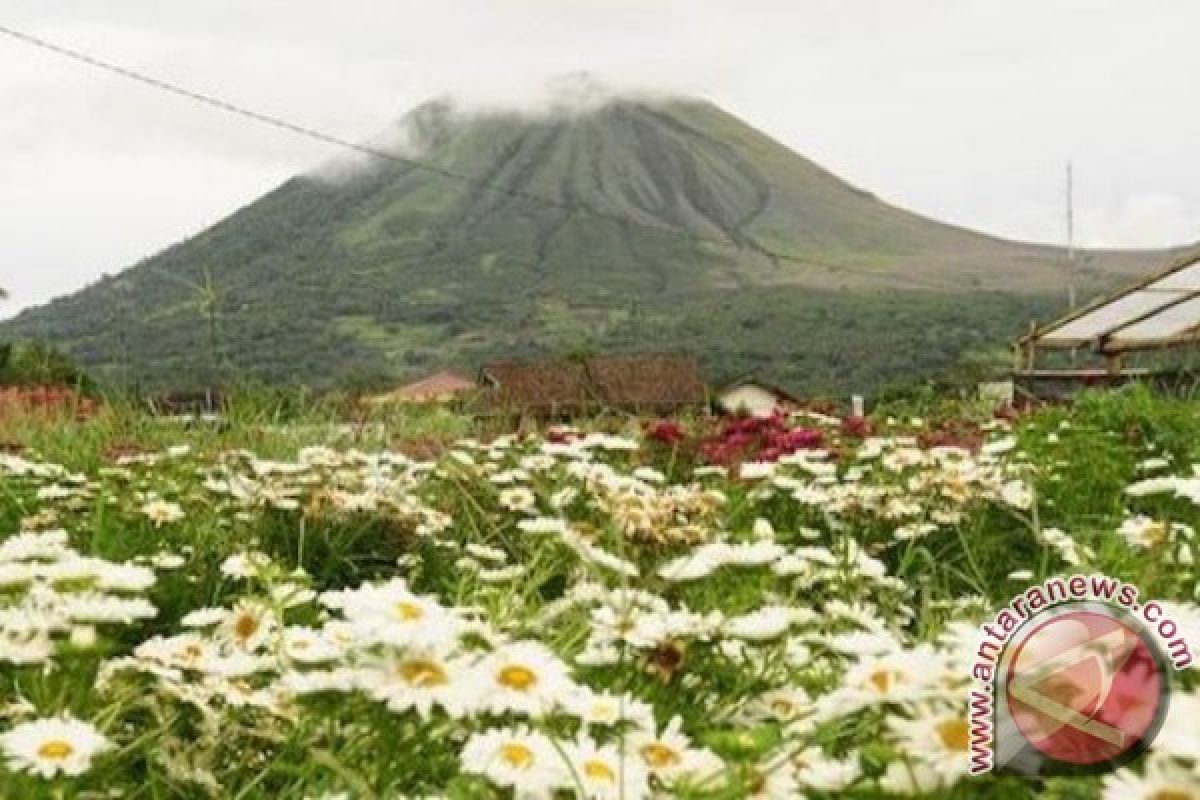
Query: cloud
column 1143, row 220
column 963, row 111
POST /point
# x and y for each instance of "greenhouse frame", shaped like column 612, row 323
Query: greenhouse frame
column 1158, row 313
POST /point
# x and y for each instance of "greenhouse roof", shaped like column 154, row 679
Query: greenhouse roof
column 1162, row 310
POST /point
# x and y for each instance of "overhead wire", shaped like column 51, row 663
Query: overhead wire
column 324, row 137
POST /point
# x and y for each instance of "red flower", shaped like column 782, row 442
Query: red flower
column 666, row 431
column 858, row 427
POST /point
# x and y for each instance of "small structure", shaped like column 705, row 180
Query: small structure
column 646, row 384
column 753, row 397
column 1156, row 315
column 441, row 387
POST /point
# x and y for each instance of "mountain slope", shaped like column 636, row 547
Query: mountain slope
column 580, row 229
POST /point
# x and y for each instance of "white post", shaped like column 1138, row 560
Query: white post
column 856, row 405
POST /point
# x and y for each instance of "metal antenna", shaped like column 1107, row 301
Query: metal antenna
column 1070, row 236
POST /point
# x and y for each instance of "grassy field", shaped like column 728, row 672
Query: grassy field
column 293, row 604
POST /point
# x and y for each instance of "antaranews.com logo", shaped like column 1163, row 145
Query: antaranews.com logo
column 1074, row 675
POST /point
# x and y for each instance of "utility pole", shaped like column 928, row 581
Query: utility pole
column 1071, row 276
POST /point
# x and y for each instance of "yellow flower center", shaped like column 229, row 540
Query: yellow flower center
column 56, row 750
column 245, row 626
column 423, row 673
column 881, row 679
column 953, row 734
column 756, row 781
column 1156, row 533
column 599, row 771
column 409, row 612
column 517, row 677
column 782, row 707
column 659, row 755
column 517, row 755
column 1172, row 794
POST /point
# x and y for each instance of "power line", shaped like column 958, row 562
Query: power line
column 373, row 152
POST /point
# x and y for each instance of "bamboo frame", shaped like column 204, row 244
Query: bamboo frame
column 1108, row 341
column 1039, row 332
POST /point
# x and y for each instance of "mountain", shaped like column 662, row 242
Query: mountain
column 630, row 223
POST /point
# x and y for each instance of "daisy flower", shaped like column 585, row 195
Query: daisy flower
column 391, row 614
column 897, row 677
column 783, row 705
column 817, row 771
column 249, row 625
column 1160, row 782
column 670, row 756
column 245, row 565
column 939, row 738
column 607, row 709
column 162, row 512
column 308, row 645
column 47, row 747
column 1145, row 532
column 419, row 680
column 518, row 499
column 521, row 759
column 606, row 775
column 523, row 677
column 1180, row 734
column 764, row 624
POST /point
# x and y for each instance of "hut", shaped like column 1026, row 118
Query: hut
column 754, row 397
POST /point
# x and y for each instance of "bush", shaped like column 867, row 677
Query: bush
column 38, row 363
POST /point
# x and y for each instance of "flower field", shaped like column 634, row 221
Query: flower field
column 659, row 608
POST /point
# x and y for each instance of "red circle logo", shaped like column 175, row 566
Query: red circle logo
column 1084, row 687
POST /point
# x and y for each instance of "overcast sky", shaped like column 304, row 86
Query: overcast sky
column 961, row 109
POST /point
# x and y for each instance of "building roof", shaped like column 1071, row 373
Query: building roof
column 434, row 387
column 778, row 391
column 629, row 382
column 1162, row 310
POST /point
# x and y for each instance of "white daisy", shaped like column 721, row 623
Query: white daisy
column 1160, row 782
column 607, row 775
column 522, row 759
column 670, row 755
column 162, row 512
column 249, row 625
column 939, row 738
column 1180, row 733
column 815, row 770
column 523, row 677
column 47, row 747
column 419, row 680
column 518, row 498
